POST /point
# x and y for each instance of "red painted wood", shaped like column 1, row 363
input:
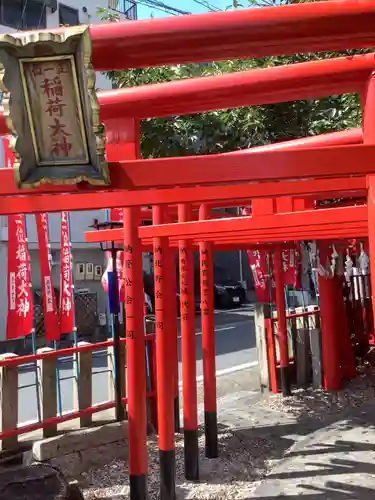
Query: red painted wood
column 332, row 161
column 188, row 340
column 280, row 305
column 307, row 27
column 312, row 218
column 135, row 345
column 12, row 202
column 206, row 267
column 309, row 80
column 164, row 339
column 271, row 355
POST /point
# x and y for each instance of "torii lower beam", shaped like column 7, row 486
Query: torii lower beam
column 335, row 161
column 279, row 222
column 312, row 224
column 291, row 82
column 49, row 199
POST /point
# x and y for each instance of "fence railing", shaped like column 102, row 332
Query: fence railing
column 47, row 367
column 357, row 293
column 304, row 345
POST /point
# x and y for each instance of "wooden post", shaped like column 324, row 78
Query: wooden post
column 293, row 340
column 261, row 312
column 136, row 356
column 188, row 349
column 171, row 268
column 303, row 349
column 282, row 324
column 8, row 402
column 165, row 336
column 315, row 346
column 111, row 372
column 330, row 337
column 83, row 386
column 48, row 390
column 368, row 126
column 206, row 268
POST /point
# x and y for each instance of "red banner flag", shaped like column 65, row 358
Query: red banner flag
column 259, row 268
column 51, row 321
column 67, row 323
column 291, row 267
column 20, row 304
column 116, row 215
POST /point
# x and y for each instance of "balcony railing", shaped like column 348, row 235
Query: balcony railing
column 128, row 8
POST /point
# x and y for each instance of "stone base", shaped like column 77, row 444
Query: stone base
column 36, row 482
column 78, row 441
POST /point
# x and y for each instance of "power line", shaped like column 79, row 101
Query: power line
column 207, row 5
column 163, row 7
column 20, row 22
column 42, row 12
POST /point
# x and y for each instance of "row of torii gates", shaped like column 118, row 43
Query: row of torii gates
column 280, row 180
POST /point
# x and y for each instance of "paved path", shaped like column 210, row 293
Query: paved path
column 235, row 346
column 329, row 459
column 335, row 462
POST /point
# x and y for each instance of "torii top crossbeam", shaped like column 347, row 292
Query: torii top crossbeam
column 307, row 27
column 310, row 27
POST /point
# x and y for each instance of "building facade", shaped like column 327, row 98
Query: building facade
column 16, row 15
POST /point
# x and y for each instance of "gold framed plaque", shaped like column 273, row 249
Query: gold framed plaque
column 51, row 107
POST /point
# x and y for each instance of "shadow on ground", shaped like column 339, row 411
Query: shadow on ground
column 303, row 464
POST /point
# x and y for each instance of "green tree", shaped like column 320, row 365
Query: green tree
column 228, row 130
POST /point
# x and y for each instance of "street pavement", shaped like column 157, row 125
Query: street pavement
column 235, row 347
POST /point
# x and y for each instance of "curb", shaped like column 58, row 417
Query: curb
column 228, row 371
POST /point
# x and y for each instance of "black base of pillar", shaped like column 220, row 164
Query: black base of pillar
column 177, row 425
column 210, row 429
column 191, row 451
column 138, row 487
column 167, row 475
column 285, row 380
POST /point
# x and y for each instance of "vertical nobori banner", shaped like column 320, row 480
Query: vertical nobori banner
column 20, row 304
column 259, row 265
column 67, row 320
column 51, row 320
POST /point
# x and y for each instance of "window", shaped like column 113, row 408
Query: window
column 35, row 16
column 23, row 14
column 125, row 7
column 68, row 16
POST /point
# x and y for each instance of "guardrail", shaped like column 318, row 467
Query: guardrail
column 47, row 364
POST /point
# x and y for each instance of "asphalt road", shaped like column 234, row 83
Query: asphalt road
column 235, row 345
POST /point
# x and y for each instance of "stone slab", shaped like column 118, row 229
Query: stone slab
column 79, row 440
column 335, row 462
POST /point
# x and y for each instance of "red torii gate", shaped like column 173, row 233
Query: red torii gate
column 337, row 164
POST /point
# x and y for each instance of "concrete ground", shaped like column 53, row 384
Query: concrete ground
column 329, row 457
column 334, row 462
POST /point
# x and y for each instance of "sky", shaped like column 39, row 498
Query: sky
column 187, row 5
